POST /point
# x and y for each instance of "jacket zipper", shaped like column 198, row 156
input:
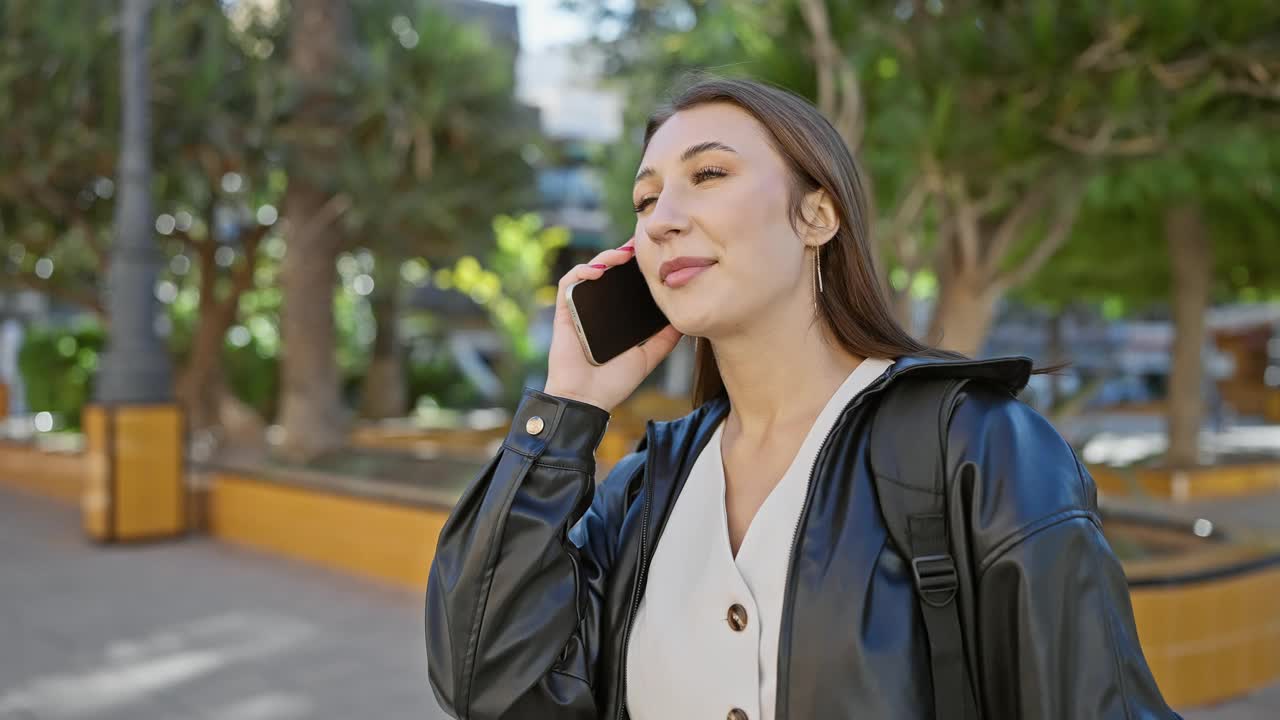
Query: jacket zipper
column 635, row 593
column 789, row 590
column 780, row 712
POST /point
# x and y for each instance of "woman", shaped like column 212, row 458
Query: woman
column 738, row 564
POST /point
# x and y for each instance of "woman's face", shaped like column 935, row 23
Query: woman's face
column 713, row 233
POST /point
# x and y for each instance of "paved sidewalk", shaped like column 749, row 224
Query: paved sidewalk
column 194, row 630
column 198, row 630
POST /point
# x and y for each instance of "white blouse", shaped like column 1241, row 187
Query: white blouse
column 705, row 639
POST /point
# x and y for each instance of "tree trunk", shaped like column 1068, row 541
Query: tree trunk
column 902, row 305
column 311, row 412
column 199, row 384
column 383, row 393
column 978, row 241
column 198, row 388
column 962, row 314
column 1057, row 352
column 1191, row 257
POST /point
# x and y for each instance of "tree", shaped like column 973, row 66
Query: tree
column 1182, row 212
column 421, row 168
column 513, row 284
column 311, row 410
column 957, row 200
column 220, row 182
column 59, row 89
column 432, row 163
column 213, row 108
column 982, row 124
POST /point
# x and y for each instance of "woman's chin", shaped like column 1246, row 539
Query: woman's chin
column 698, row 327
column 695, row 316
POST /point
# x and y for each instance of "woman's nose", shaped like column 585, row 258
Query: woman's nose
column 668, row 220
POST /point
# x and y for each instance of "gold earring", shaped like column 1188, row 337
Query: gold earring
column 817, row 265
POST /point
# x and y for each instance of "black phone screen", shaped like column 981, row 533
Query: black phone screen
column 615, row 312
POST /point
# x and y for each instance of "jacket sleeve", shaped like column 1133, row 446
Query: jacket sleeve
column 1058, row 636
column 1056, row 633
column 513, row 607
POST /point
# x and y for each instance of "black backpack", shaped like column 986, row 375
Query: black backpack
column 912, row 487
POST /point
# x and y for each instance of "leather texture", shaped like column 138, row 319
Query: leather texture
column 538, row 570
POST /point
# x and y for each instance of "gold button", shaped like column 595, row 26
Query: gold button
column 737, row 714
column 737, row 616
column 534, row 426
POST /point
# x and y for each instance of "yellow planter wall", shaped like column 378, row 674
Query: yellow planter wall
column 385, row 541
column 1195, row 484
column 56, row 476
column 1211, row 641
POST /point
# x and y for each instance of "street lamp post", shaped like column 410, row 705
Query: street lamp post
column 134, row 438
column 135, row 367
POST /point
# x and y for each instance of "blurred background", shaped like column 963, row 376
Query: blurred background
column 273, row 274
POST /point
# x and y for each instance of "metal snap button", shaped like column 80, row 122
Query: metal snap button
column 737, row 617
column 534, row 426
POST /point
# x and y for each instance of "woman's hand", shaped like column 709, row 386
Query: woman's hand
column 571, row 375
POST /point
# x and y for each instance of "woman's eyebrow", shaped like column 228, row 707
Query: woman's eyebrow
column 690, row 152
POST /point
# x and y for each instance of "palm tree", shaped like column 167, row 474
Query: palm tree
column 311, row 410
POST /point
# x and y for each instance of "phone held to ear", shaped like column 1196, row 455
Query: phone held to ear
column 614, row 313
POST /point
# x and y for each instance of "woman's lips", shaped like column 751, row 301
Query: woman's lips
column 681, row 277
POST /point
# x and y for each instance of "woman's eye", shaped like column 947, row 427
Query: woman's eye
column 708, row 173
column 699, row 177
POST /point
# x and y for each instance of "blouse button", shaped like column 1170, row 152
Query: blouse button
column 738, row 621
column 737, row 714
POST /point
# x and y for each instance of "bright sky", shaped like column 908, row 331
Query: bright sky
column 544, row 24
column 559, row 84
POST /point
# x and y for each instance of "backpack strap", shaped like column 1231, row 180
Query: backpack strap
column 907, row 441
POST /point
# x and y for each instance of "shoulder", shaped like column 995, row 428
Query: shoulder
column 1024, row 475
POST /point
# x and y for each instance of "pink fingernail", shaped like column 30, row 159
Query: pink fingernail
column 600, row 266
column 628, row 248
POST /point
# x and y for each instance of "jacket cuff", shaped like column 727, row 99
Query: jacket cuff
column 549, row 425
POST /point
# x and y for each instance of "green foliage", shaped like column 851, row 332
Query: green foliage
column 437, row 380
column 1184, row 82
column 430, row 145
column 253, row 375
column 513, row 285
column 1148, row 102
column 437, row 142
column 57, row 365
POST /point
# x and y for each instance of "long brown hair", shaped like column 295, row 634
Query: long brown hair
column 853, row 303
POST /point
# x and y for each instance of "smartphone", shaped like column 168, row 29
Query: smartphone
column 614, row 313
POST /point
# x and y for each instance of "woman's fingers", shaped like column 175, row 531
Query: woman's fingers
column 658, row 347
column 585, row 271
column 616, row 256
column 594, row 269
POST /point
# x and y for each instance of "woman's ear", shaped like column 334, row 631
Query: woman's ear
column 820, row 218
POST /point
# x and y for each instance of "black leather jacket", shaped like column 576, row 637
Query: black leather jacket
column 539, row 570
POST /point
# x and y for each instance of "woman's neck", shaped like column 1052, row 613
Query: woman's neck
column 781, row 372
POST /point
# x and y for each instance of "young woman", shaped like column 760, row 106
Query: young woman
column 738, row 566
